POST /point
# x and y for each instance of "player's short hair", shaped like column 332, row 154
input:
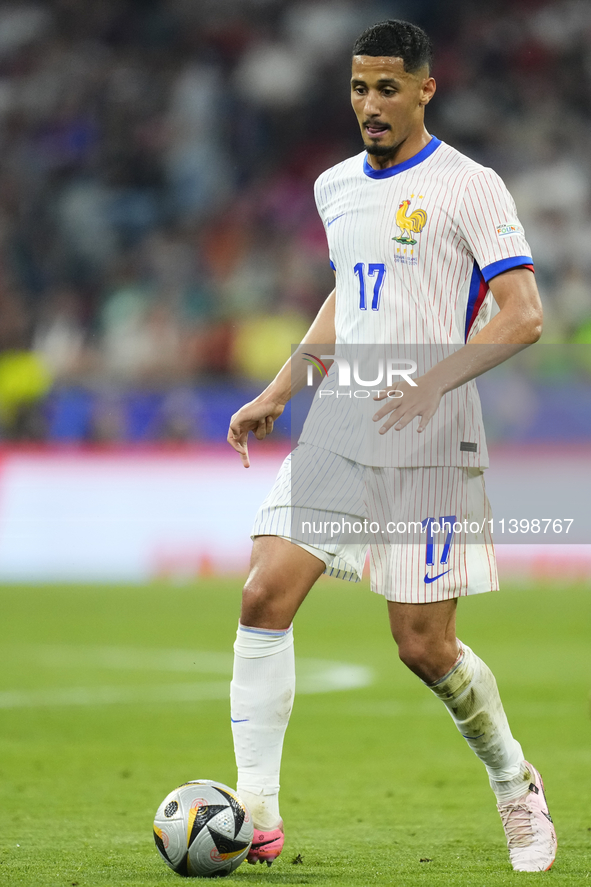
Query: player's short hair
column 397, row 39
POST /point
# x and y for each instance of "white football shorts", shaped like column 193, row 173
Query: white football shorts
column 428, row 530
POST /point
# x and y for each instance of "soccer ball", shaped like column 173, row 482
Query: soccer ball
column 202, row 829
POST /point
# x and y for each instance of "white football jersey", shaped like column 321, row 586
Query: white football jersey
column 413, row 247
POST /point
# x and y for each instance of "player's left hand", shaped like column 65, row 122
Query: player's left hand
column 420, row 400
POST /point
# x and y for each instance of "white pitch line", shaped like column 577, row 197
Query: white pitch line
column 313, row 676
column 120, row 658
column 113, row 695
column 392, row 708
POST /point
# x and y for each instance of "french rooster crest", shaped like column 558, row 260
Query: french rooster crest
column 414, row 222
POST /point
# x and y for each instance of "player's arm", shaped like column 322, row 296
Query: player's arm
column 517, row 325
column 260, row 414
column 519, row 320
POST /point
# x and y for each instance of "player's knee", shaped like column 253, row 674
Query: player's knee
column 255, row 603
column 413, row 652
column 427, row 656
column 260, row 607
column 421, row 654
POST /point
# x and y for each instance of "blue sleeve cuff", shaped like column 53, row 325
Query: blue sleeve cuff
column 490, row 271
column 332, row 265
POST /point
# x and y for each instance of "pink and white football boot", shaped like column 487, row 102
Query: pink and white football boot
column 266, row 846
column 529, row 829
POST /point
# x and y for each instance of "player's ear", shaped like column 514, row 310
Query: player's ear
column 428, row 87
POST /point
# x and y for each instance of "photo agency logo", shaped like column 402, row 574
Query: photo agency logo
column 388, row 372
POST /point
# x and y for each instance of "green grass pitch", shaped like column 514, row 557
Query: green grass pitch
column 108, row 701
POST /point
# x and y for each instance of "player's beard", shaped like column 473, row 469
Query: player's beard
column 385, row 151
column 381, row 150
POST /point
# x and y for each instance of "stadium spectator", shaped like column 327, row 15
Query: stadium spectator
column 189, row 136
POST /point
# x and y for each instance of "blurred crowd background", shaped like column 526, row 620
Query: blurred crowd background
column 159, row 244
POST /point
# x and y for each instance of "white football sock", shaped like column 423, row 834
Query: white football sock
column 470, row 694
column 261, row 694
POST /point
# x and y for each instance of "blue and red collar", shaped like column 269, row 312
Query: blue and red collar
column 425, row 152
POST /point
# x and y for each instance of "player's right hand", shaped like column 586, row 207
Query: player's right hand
column 256, row 416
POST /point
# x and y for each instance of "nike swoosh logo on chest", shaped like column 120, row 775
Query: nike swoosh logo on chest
column 340, row 216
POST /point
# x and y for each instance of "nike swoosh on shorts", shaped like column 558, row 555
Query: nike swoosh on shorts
column 429, row 579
